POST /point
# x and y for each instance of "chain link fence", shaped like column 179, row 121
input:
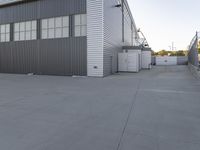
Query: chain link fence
column 193, row 51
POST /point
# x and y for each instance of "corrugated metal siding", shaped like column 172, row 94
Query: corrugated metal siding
column 182, row 60
column 6, row 58
column 95, row 20
column 128, row 25
column 24, row 57
column 65, row 56
column 51, row 57
column 113, row 41
column 128, row 38
column 41, row 9
column 19, row 12
column 112, row 36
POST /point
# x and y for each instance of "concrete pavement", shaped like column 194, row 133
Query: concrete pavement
column 151, row 110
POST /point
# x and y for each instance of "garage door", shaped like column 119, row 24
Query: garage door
column 166, row 60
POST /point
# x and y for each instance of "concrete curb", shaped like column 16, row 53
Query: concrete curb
column 194, row 70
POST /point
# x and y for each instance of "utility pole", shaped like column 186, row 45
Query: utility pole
column 172, row 46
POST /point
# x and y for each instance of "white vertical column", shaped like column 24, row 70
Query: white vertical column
column 95, row 21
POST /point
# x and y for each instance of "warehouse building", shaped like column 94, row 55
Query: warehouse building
column 64, row 37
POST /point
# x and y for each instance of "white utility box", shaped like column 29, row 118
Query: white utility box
column 128, row 62
column 146, row 59
column 139, row 52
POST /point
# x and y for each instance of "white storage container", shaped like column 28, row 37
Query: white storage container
column 139, row 52
column 123, row 62
column 146, row 59
column 128, row 62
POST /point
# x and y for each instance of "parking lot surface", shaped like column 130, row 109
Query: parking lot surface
column 152, row 110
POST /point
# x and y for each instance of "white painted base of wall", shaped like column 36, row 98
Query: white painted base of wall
column 166, row 60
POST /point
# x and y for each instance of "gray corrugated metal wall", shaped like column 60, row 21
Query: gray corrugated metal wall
column 182, row 60
column 65, row 56
column 153, row 60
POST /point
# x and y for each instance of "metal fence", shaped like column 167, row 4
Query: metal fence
column 193, row 51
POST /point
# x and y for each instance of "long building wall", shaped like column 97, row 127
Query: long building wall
column 108, row 30
column 112, row 36
column 107, row 34
column 118, row 32
column 63, row 56
column 128, row 25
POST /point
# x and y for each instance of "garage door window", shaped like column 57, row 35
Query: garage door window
column 25, row 31
column 5, row 33
column 55, row 27
column 80, row 25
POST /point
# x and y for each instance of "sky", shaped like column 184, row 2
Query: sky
column 167, row 21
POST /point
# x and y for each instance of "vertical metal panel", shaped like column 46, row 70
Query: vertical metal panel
column 113, row 35
column 24, row 57
column 153, row 60
column 6, row 58
column 63, row 56
column 79, row 49
column 113, row 41
column 128, row 33
column 52, row 56
column 95, row 20
column 182, row 60
column 41, row 9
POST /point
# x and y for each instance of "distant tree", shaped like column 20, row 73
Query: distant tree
column 186, row 53
column 163, row 53
column 180, row 53
column 154, row 53
column 171, row 53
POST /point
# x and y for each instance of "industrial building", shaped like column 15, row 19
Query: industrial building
column 64, row 37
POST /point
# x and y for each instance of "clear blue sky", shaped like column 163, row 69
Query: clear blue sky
column 167, row 21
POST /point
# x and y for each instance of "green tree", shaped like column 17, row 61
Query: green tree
column 171, row 53
column 180, row 53
column 163, row 53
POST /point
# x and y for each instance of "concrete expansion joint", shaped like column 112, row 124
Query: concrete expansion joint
column 129, row 114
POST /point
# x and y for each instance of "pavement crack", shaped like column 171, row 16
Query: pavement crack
column 129, row 115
